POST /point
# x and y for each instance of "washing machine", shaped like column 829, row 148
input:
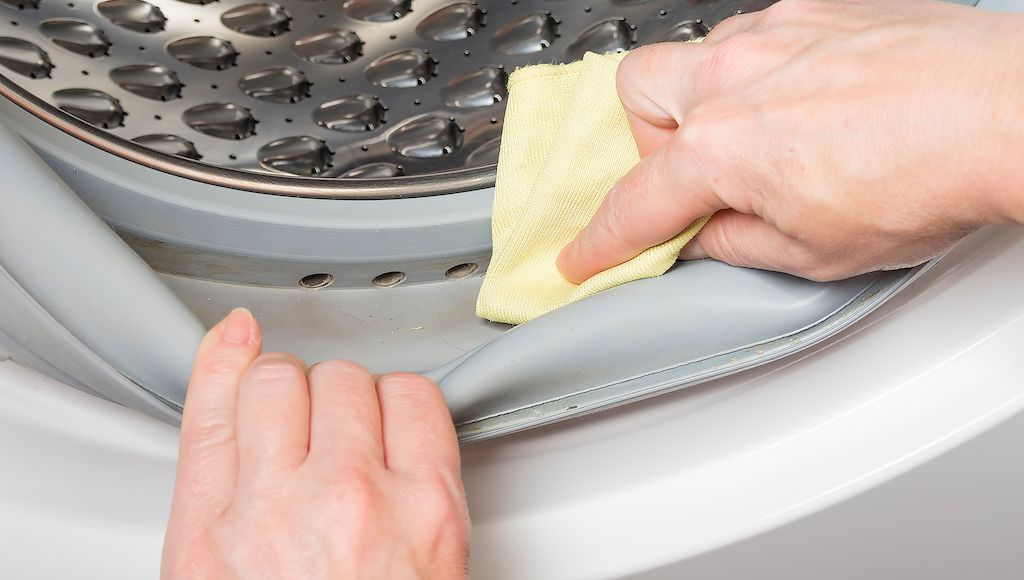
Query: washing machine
column 330, row 165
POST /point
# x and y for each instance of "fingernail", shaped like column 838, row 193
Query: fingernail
column 238, row 327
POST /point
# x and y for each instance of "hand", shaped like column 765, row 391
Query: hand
column 284, row 474
column 831, row 137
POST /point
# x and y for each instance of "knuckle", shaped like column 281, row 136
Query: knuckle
column 728, row 27
column 218, row 367
column 276, row 366
column 630, row 68
column 407, row 385
column 641, row 62
column 338, row 369
column 637, row 81
column 410, row 391
column 446, row 516
column 442, row 504
column 355, row 484
column 209, row 431
column 788, row 10
column 357, row 507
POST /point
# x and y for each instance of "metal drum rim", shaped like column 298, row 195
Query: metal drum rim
column 411, row 186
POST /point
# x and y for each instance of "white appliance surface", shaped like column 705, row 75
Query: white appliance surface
column 668, row 486
column 891, row 451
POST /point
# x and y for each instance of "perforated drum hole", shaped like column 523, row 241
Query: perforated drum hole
column 461, row 270
column 389, row 279
column 319, row 280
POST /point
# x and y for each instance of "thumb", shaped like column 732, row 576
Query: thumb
column 748, row 241
column 656, row 200
column 658, row 84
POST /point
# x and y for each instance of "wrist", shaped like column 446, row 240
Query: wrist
column 1001, row 178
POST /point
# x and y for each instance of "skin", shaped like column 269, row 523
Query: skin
column 326, row 473
column 831, row 137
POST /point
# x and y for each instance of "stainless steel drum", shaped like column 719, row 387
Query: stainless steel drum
column 360, row 89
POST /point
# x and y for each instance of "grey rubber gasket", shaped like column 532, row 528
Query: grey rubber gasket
column 70, row 264
column 504, row 396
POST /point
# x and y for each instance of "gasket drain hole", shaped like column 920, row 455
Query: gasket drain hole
column 389, row 279
column 461, row 270
column 319, row 280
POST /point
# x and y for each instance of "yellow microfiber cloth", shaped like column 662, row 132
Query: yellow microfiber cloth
column 565, row 142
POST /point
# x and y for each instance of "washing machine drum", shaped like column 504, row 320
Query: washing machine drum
column 310, row 158
column 365, row 89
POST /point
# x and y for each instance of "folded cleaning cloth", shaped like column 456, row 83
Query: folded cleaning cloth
column 565, row 142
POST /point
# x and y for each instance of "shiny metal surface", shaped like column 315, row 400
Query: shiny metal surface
column 399, row 98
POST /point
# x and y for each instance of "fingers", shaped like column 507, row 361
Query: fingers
column 748, row 241
column 656, row 200
column 418, row 430
column 273, row 415
column 208, row 455
column 346, row 422
column 693, row 250
column 732, row 26
column 657, row 85
column 648, row 136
